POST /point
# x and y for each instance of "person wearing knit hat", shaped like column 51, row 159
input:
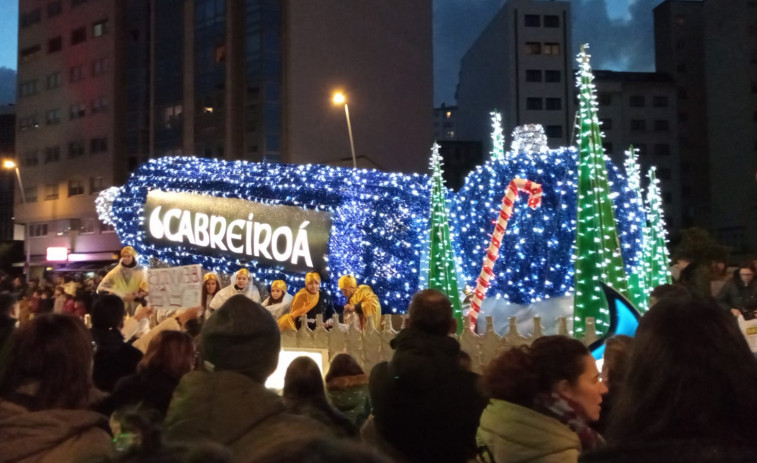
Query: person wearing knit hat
column 227, row 401
column 310, row 300
column 279, row 301
column 128, row 280
column 360, row 300
column 241, row 283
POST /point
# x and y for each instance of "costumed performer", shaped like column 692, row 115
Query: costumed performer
column 279, row 301
column 360, row 300
column 210, row 287
column 310, row 300
column 241, row 283
column 127, row 280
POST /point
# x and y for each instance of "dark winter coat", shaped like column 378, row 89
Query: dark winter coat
column 349, row 395
column 147, row 389
column 425, row 406
column 674, row 450
column 736, row 295
column 696, row 278
column 114, row 359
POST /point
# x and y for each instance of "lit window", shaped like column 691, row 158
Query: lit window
column 51, row 192
column 551, row 48
column 99, row 28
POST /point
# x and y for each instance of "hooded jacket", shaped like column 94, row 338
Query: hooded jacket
column 233, row 410
column 52, row 436
column 349, row 395
column 510, row 433
column 424, row 404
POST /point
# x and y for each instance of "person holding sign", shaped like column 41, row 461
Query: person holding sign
column 279, row 301
column 310, row 300
column 128, row 280
column 360, row 300
column 241, row 284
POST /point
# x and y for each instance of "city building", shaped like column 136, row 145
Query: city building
column 7, row 175
column 459, row 158
column 522, row 66
column 105, row 85
column 639, row 109
column 444, row 123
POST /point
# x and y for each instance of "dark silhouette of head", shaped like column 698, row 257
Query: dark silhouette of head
column 430, row 311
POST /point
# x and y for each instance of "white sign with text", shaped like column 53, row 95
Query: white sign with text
column 175, row 287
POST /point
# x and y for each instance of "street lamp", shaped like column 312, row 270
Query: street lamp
column 11, row 164
column 339, row 98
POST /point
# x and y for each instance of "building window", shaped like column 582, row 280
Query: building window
column 552, row 76
column 683, row 117
column 55, row 44
column 28, row 88
column 641, row 147
column 661, row 125
column 100, row 28
column 54, row 8
column 551, row 48
column 534, row 103
column 28, row 122
column 551, row 20
column 98, row 145
column 660, row 101
column 663, row 174
column 636, row 101
column 51, row 191
column 533, row 48
column 78, row 35
column 553, row 131
column 77, row 73
column 29, row 53
column 75, row 149
column 172, row 116
column 32, row 17
column 31, row 158
column 53, row 117
column 638, row 125
column 53, row 80
column 682, row 95
column 220, row 53
column 30, row 194
column 96, row 185
column 75, row 188
column 37, row 229
column 78, row 110
column 52, row 154
column 107, row 228
column 662, row 149
column 553, row 104
column 533, row 75
column 532, row 20
column 99, row 105
column 88, row 226
column 605, row 124
column 99, row 66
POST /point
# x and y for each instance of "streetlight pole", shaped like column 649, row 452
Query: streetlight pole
column 339, row 98
column 11, row 164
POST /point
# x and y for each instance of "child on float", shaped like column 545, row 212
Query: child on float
column 241, row 283
column 310, row 300
column 279, row 302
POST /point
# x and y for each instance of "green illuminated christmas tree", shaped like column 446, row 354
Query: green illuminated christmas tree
column 498, row 137
column 598, row 255
column 442, row 273
column 656, row 257
column 637, row 282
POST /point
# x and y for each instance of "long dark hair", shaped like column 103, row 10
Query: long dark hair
column 691, row 375
column 343, row 365
column 303, row 382
column 205, row 293
column 170, row 352
column 47, row 364
column 519, row 374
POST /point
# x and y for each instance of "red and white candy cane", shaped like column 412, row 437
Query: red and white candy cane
column 505, row 212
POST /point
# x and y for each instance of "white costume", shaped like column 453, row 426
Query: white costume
column 280, row 308
column 221, row 296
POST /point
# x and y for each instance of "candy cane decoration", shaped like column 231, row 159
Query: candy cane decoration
column 505, row 212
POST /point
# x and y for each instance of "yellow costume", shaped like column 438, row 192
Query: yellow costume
column 364, row 299
column 303, row 302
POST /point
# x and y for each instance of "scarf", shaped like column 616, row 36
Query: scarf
column 568, row 413
column 302, row 303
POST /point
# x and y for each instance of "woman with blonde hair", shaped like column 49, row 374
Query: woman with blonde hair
column 279, row 301
column 311, row 301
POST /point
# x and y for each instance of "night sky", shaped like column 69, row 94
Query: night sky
column 619, row 33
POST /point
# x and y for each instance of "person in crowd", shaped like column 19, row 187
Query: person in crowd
column 7, row 322
column 241, row 284
column 310, row 301
column 347, row 389
column 71, row 285
column 210, row 287
column 128, row 280
column 59, row 296
column 694, row 275
column 322, row 450
column 170, row 355
column 279, row 301
column 360, row 300
column 614, row 366
column 739, row 295
column 227, row 401
column 425, row 407
column 667, row 291
column 688, row 393
column 719, row 275
column 114, row 358
column 543, row 398
column 45, row 389
column 304, row 395
column 32, row 286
